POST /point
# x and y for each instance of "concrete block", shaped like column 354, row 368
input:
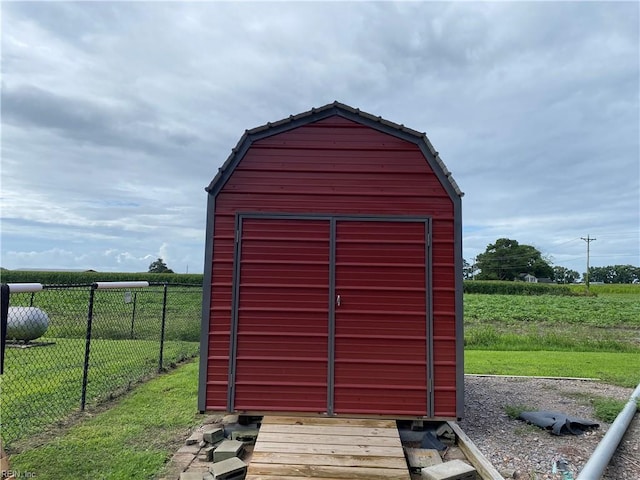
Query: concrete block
column 454, row 453
column 454, row 470
column 421, row 457
column 208, row 452
column 213, row 435
column 417, row 425
column 193, row 439
column 444, row 430
column 228, row 449
column 230, row 469
column 191, row 476
column 247, row 436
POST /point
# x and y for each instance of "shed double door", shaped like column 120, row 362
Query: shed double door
column 330, row 316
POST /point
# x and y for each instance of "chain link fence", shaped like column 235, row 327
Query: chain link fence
column 69, row 347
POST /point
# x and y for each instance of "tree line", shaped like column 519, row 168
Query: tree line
column 507, row 259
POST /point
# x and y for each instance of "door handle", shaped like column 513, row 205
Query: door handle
column 338, row 300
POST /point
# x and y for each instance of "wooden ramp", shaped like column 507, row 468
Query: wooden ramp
column 293, row 448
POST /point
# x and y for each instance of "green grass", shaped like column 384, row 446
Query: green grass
column 42, row 385
column 514, row 411
column 133, row 439
column 614, row 368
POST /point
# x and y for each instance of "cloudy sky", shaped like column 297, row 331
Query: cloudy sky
column 116, row 115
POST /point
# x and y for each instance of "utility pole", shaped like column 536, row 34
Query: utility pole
column 586, row 278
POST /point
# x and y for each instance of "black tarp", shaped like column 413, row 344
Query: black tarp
column 558, row 423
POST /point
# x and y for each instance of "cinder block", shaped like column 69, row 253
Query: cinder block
column 247, row 436
column 417, row 425
column 208, row 451
column 213, row 435
column 230, row 469
column 191, row 476
column 228, row 449
column 454, row 470
column 193, row 439
column 422, row 457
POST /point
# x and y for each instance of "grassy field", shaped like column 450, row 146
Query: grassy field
column 44, row 384
column 614, row 368
column 132, row 439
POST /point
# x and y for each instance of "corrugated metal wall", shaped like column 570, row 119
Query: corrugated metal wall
column 336, row 166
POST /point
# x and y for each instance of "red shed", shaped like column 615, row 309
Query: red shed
column 333, row 272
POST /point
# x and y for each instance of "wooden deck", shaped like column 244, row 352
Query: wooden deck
column 293, row 448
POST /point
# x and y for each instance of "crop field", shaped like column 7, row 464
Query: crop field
column 608, row 322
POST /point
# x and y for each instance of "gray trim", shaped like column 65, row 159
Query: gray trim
column 339, row 217
column 235, row 298
column 459, row 305
column 336, row 108
column 429, row 319
column 206, row 305
column 331, row 364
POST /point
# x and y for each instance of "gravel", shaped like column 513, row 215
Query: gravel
column 523, row 451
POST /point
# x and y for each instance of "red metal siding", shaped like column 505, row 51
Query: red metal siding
column 282, row 344
column 336, row 166
column 381, row 279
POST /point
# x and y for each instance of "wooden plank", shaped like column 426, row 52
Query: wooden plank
column 295, row 448
column 325, row 471
column 335, row 421
column 329, row 460
column 477, row 459
column 288, row 477
column 315, row 448
column 330, row 430
column 307, row 438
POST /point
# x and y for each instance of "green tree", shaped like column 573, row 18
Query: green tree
column 506, row 259
column 614, row 274
column 565, row 275
column 159, row 267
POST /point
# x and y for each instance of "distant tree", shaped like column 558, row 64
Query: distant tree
column 615, row 274
column 159, row 267
column 506, row 259
column 564, row 275
column 468, row 269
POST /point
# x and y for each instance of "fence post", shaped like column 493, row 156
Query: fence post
column 4, row 313
column 133, row 315
column 164, row 315
column 87, row 347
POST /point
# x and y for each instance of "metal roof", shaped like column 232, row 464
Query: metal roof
column 319, row 113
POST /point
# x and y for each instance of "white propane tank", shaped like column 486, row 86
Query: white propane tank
column 26, row 323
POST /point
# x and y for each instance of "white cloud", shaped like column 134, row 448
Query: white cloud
column 117, row 115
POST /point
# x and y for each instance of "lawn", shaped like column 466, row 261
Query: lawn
column 42, row 385
column 614, row 368
column 133, row 439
